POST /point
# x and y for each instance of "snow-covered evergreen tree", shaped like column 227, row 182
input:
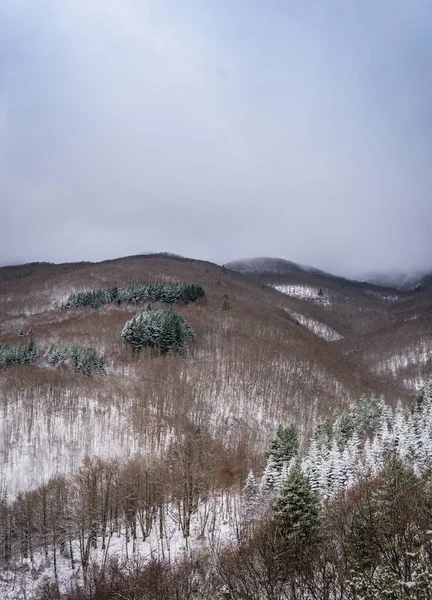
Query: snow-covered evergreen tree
column 296, row 507
column 161, row 330
column 283, row 448
column 252, row 501
column 86, row 360
column 358, row 442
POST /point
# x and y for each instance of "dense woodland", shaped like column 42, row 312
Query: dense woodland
column 265, row 439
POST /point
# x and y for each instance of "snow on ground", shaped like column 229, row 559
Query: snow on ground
column 317, row 327
column 415, row 383
column 37, row 442
column 419, row 354
column 385, row 297
column 305, row 292
column 215, row 524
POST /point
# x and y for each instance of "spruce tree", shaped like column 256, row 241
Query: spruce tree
column 252, row 505
column 296, row 507
column 161, row 330
column 284, row 446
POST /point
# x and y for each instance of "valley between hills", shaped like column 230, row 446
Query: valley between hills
column 274, row 344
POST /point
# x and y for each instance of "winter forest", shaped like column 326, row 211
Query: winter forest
column 224, row 439
column 215, row 300
column 346, row 515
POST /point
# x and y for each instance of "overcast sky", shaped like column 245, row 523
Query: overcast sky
column 218, row 130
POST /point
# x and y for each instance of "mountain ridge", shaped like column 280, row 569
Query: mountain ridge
column 289, row 348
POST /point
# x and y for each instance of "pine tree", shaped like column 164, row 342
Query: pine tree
column 224, row 305
column 270, row 476
column 343, row 428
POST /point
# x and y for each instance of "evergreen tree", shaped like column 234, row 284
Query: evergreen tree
column 161, row 330
column 296, row 507
column 31, row 352
column 138, row 293
column 284, row 446
column 344, row 427
column 252, row 505
column 86, row 360
column 283, row 449
column 224, row 305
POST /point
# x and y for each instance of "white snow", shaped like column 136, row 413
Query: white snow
column 384, row 296
column 21, row 580
column 317, row 327
column 305, row 292
column 418, row 354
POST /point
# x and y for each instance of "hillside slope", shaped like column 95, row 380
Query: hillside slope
column 384, row 330
column 252, row 366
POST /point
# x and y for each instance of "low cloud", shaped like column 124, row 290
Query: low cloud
column 218, row 131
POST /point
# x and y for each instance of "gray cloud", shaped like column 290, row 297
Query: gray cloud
column 217, row 130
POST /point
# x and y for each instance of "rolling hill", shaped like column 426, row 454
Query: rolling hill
column 295, row 345
column 125, row 464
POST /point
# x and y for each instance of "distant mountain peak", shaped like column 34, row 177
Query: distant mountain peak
column 274, row 266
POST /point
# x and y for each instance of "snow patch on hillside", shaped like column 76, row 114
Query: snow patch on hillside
column 419, row 354
column 415, row 383
column 385, row 297
column 305, row 292
column 38, row 442
column 317, row 327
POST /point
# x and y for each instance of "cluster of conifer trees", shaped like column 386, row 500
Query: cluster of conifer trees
column 357, row 442
column 17, row 354
column 86, row 360
column 139, row 293
column 162, row 330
